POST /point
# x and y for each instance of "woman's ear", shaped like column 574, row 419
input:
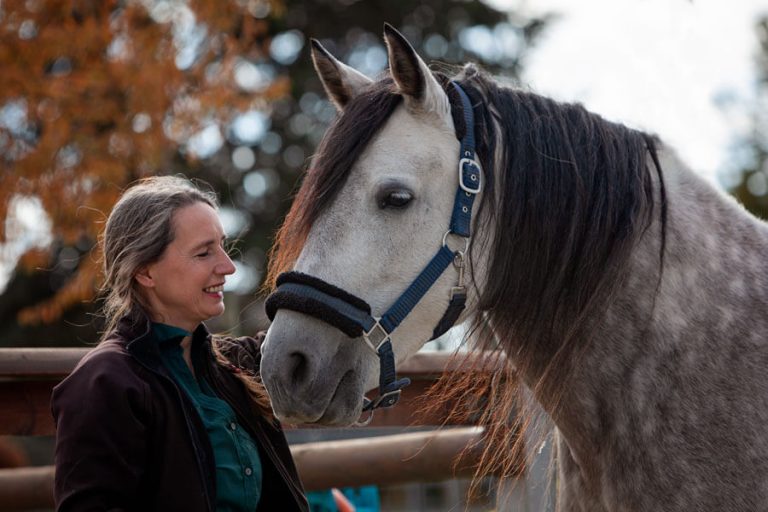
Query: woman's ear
column 144, row 277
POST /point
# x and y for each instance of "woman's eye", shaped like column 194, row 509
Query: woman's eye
column 203, row 254
column 395, row 199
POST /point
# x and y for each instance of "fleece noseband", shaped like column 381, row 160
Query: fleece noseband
column 352, row 316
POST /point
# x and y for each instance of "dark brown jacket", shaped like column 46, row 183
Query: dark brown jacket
column 128, row 439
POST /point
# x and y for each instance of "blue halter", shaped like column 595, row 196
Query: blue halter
column 352, row 315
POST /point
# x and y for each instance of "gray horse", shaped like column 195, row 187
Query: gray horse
column 626, row 293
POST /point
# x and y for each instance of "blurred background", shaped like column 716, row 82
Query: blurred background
column 95, row 94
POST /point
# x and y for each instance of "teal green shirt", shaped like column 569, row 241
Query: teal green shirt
column 238, row 467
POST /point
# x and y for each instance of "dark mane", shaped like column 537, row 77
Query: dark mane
column 576, row 194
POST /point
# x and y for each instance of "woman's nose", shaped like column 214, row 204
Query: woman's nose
column 225, row 267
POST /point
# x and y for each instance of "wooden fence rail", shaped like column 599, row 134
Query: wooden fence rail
column 386, row 460
column 27, row 377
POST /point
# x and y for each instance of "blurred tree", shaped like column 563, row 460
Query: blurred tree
column 752, row 190
column 94, row 95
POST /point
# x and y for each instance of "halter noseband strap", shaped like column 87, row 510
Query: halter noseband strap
column 352, row 316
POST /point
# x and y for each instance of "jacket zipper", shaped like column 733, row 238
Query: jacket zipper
column 190, row 431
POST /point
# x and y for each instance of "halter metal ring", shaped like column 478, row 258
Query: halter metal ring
column 466, row 241
column 375, row 336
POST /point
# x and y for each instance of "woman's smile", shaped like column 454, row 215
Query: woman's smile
column 215, row 292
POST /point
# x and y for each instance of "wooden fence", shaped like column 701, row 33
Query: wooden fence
column 27, row 377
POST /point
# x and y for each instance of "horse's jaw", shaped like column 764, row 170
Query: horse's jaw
column 314, row 374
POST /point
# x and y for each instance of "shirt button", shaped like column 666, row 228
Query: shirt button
column 233, row 426
column 248, row 471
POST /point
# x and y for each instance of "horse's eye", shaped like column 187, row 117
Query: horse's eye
column 395, row 199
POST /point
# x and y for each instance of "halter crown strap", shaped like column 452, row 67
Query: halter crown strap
column 470, row 173
column 351, row 315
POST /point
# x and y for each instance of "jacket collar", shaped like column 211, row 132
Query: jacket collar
column 141, row 342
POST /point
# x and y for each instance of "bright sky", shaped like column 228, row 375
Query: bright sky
column 683, row 69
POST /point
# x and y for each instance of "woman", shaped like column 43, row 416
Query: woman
column 161, row 415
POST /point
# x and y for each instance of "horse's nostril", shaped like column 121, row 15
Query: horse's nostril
column 299, row 368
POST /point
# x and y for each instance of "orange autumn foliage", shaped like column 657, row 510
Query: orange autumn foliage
column 105, row 104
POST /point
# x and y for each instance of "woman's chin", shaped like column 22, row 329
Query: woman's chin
column 213, row 312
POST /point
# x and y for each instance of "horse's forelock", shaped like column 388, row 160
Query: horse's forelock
column 341, row 146
column 343, row 143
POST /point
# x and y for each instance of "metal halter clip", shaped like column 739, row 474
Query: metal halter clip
column 458, row 262
column 376, row 336
column 475, row 176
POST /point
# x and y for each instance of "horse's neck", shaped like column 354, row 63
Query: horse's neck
column 713, row 263
column 709, row 305
column 713, row 276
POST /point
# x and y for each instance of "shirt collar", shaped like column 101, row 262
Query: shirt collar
column 168, row 333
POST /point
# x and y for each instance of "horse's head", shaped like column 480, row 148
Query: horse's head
column 373, row 210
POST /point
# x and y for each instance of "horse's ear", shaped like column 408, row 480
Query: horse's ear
column 341, row 82
column 414, row 80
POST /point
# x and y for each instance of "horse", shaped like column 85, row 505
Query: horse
column 625, row 292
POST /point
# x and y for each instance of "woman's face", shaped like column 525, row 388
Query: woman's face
column 185, row 286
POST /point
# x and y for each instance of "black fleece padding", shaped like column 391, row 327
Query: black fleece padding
column 319, row 284
column 286, row 300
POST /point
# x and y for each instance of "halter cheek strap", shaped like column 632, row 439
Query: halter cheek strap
column 352, row 316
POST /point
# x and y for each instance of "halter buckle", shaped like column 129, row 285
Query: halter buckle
column 375, row 336
column 475, row 176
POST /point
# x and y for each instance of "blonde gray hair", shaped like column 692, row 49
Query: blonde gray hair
column 138, row 230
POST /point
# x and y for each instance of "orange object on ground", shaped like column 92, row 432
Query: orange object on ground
column 343, row 504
